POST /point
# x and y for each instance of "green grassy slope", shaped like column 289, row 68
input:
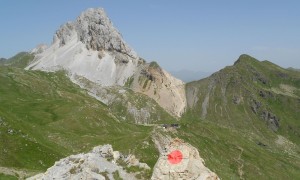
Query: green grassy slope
column 45, row 117
column 245, row 120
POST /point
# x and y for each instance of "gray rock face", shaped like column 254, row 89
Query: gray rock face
column 96, row 31
column 271, row 119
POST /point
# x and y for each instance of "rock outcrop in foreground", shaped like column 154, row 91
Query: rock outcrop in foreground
column 188, row 166
column 98, row 164
column 103, row 163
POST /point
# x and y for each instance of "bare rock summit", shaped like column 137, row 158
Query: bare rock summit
column 96, row 31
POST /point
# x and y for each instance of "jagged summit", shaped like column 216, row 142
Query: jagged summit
column 89, row 47
column 96, row 31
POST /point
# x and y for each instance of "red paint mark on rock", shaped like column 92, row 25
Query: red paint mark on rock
column 175, row 157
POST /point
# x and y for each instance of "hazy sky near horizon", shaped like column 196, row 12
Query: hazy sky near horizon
column 198, row 35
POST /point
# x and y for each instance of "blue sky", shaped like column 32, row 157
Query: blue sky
column 199, row 35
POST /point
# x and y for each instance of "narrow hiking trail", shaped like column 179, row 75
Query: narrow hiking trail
column 240, row 163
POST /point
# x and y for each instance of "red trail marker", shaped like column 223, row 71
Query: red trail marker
column 175, row 157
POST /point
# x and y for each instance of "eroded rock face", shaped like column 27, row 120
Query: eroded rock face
column 161, row 86
column 190, row 167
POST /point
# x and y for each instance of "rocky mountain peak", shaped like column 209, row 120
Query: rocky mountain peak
column 96, row 31
column 92, row 48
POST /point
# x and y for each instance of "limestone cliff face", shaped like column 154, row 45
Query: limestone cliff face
column 91, row 47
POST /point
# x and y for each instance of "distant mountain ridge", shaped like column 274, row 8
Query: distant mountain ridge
column 253, row 86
